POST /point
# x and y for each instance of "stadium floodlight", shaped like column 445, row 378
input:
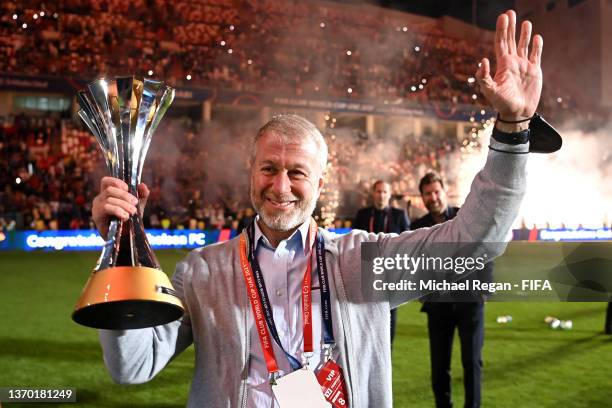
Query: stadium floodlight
column 127, row 289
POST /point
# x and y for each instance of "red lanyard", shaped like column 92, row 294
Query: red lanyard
column 256, row 302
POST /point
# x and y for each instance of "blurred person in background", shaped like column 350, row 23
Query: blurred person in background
column 381, row 217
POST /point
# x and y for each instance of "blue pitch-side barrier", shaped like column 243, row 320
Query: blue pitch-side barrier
column 89, row 240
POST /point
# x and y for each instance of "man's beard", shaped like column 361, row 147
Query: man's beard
column 283, row 220
column 435, row 207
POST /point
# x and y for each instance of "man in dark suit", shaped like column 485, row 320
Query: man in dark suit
column 444, row 314
column 382, row 218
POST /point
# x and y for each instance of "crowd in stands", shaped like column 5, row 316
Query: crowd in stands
column 45, row 174
column 50, row 170
column 275, row 46
column 270, row 45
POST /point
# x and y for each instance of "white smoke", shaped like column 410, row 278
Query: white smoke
column 570, row 188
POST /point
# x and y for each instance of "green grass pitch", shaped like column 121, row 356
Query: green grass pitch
column 526, row 364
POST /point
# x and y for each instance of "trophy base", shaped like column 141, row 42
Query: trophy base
column 127, row 297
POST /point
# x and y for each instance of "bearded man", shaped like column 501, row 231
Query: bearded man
column 261, row 345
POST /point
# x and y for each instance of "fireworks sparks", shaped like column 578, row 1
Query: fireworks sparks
column 330, row 195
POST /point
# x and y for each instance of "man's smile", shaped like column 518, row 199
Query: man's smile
column 280, row 204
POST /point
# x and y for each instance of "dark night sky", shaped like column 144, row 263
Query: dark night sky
column 486, row 11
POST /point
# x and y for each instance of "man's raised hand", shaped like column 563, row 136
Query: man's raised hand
column 515, row 89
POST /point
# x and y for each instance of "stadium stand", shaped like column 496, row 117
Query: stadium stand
column 278, row 47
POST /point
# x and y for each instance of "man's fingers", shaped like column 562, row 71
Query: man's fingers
column 115, row 200
column 115, row 192
column 501, row 31
column 511, row 35
column 143, row 196
column 143, row 191
column 112, row 182
column 113, row 210
column 483, row 75
column 121, row 204
column 523, row 45
column 484, row 71
column 536, row 50
column 480, row 70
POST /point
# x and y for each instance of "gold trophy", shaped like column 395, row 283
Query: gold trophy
column 127, row 289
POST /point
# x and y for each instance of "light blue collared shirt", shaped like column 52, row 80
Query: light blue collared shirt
column 283, row 270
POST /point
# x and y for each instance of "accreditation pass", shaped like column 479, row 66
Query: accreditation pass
column 300, row 389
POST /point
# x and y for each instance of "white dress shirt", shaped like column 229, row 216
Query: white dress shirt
column 283, row 270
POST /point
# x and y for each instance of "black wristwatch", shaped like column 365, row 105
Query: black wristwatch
column 514, row 139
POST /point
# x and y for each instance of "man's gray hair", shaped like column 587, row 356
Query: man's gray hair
column 293, row 128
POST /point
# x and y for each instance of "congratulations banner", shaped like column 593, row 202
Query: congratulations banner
column 88, row 240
